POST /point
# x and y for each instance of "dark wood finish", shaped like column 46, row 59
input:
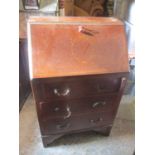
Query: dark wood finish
column 74, row 123
column 79, row 68
column 89, row 105
column 24, row 82
column 49, row 139
column 78, row 87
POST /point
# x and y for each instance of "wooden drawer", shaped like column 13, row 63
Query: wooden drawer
column 86, row 121
column 69, row 108
column 71, row 88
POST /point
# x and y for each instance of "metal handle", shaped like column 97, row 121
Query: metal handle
column 86, row 31
column 123, row 82
column 96, row 121
column 68, row 112
column 56, row 109
column 63, row 126
column 81, row 29
column 60, row 92
column 96, row 104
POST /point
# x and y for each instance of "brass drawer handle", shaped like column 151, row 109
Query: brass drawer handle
column 63, row 126
column 100, row 103
column 68, row 112
column 86, row 31
column 96, row 121
column 56, row 109
column 60, row 92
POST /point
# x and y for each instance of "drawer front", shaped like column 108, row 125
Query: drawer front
column 55, row 126
column 68, row 88
column 65, row 109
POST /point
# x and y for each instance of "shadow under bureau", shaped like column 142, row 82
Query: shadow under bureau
column 78, row 70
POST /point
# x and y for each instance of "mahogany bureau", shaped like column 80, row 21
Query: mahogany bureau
column 78, row 70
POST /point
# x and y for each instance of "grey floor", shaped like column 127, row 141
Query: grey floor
column 120, row 142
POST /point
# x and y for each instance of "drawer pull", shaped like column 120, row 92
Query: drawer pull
column 96, row 121
column 96, row 104
column 63, row 126
column 86, row 31
column 64, row 92
column 68, row 112
column 56, row 109
column 83, row 30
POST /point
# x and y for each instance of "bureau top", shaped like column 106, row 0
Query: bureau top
column 70, row 46
column 76, row 20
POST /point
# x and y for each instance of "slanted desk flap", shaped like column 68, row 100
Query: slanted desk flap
column 69, row 47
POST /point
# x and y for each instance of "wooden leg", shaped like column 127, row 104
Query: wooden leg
column 49, row 139
column 104, row 130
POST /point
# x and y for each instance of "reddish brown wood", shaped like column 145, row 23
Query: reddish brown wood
column 92, row 51
column 79, row 68
column 73, row 20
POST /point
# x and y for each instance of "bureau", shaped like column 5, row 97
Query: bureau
column 78, row 71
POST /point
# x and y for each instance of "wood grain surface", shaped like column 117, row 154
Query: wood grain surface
column 77, row 46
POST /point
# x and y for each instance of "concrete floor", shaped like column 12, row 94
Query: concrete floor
column 120, row 142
